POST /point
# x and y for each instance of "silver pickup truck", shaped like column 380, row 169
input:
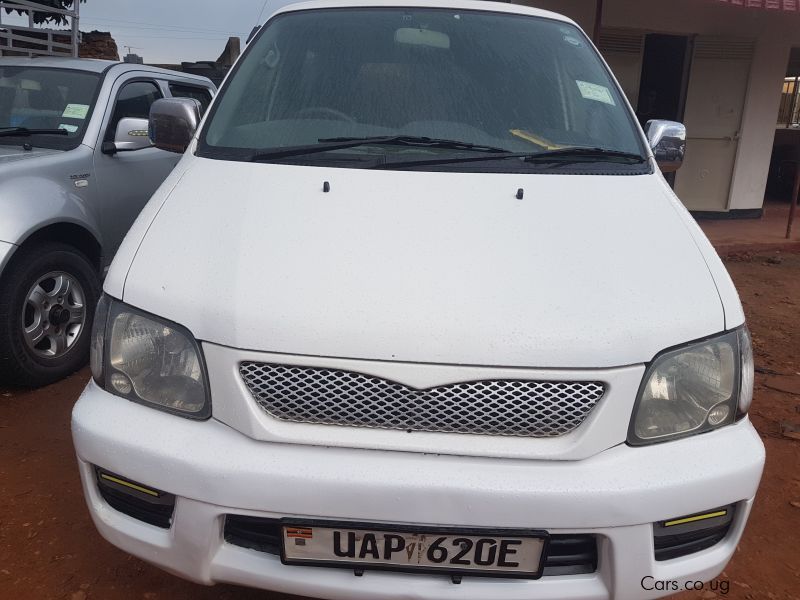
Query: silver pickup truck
column 76, row 167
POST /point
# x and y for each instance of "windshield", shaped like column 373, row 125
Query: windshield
column 503, row 82
column 38, row 98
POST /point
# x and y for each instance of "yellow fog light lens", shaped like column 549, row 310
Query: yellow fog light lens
column 696, row 518
column 129, row 484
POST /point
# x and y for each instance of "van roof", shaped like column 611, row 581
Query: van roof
column 502, row 7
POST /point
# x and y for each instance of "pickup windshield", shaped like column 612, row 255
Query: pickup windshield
column 39, row 102
column 481, row 83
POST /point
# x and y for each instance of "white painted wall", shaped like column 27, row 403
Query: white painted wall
column 775, row 32
column 760, row 117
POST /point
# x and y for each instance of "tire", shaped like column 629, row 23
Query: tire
column 48, row 292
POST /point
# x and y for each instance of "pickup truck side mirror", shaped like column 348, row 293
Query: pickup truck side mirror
column 668, row 141
column 173, row 122
column 131, row 135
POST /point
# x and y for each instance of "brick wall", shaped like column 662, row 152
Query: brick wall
column 98, row 44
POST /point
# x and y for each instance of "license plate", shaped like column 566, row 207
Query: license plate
column 498, row 553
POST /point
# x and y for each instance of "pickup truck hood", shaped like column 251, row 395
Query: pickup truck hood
column 11, row 153
column 585, row 271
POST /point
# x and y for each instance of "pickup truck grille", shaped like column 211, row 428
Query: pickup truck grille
column 506, row 407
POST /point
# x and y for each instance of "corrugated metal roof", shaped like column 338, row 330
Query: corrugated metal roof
column 783, row 5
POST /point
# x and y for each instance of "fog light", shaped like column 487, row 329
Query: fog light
column 718, row 414
column 121, row 383
column 135, row 499
column 128, row 484
column 688, row 534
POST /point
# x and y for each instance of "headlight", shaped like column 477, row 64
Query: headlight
column 97, row 344
column 695, row 389
column 748, row 371
column 149, row 360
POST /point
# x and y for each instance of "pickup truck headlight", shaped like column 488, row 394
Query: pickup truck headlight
column 694, row 389
column 148, row 360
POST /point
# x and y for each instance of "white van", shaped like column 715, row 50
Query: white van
column 418, row 306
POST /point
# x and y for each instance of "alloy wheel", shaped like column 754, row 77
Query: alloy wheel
column 54, row 315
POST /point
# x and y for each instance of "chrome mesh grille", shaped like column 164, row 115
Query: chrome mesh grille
column 491, row 407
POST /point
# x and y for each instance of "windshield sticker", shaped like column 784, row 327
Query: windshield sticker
column 598, row 93
column 76, row 111
column 70, row 128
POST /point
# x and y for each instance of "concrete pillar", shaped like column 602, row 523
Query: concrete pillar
column 759, row 120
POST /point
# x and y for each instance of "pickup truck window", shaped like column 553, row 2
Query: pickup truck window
column 201, row 94
column 45, row 98
column 134, row 101
column 475, row 81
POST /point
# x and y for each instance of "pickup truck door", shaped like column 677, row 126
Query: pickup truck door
column 127, row 180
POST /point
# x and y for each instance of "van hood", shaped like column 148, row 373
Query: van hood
column 11, row 153
column 583, row 272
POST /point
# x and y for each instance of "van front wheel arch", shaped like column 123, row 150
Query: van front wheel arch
column 47, row 299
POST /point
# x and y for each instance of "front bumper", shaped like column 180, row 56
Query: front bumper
column 214, row 470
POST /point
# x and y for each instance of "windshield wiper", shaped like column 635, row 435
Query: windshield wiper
column 341, row 143
column 582, row 152
column 561, row 156
column 419, row 141
column 25, row 132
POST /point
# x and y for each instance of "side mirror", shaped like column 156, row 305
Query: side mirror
column 131, row 135
column 668, row 142
column 173, row 122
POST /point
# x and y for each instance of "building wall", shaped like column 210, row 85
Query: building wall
column 775, row 33
column 758, row 125
column 98, row 44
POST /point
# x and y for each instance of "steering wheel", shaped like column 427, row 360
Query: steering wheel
column 326, row 111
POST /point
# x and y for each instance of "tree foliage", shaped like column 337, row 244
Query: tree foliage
column 45, row 17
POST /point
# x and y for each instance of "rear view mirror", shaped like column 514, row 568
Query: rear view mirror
column 131, row 135
column 173, row 122
column 668, row 141
column 422, row 37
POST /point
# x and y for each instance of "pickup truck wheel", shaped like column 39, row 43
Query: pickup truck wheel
column 47, row 301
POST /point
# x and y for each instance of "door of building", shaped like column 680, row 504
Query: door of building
column 664, row 80
column 662, row 91
column 623, row 50
column 720, row 70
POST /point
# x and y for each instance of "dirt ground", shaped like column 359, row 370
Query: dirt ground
column 50, row 549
